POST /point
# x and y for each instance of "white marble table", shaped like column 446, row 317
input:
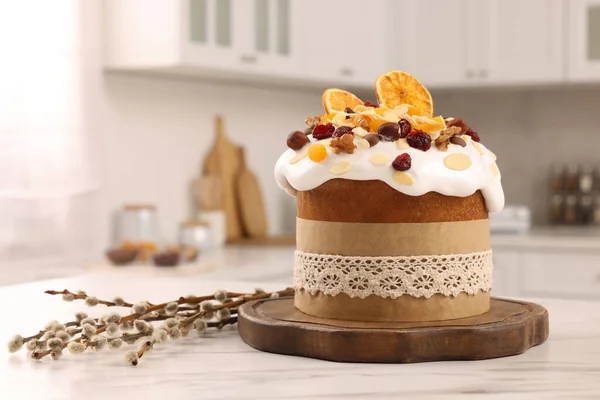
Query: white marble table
column 221, row 366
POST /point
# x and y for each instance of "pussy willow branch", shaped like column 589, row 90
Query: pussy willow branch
column 188, row 313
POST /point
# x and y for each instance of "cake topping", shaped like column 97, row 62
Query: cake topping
column 403, row 178
column 380, row 159
column 296, row 140
column 344, row 144
column 474, row 135
column 357, row 138
column 402, row 163
column 389, row 131
column 419, row 140
column 372, row 139
column 495, row 170
column 398, row 87
column 360, row 131
column 477, row 147
column 363, row 144
column 317, row 152
column 444, row 138
column 405, row 127
column 491, row 153
column 299, row 156
column 337, row 100
column 457, row 162
column 340, row 168
column 341, row 131
column 458, row 140
column 323, row 131
column 402, row 144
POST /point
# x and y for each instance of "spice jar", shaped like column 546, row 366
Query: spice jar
column 137, row 228
column 586, row 180
column 597, row 210
column 572, row 178
column 570, row 213
column 557, row 179
column 557, row 209
column 586, row 209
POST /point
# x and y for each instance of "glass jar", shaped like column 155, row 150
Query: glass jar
column 137, row 227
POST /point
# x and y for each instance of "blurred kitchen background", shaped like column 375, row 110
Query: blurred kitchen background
column 108, row 124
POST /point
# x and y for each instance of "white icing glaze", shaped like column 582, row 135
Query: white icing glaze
column 428, row 171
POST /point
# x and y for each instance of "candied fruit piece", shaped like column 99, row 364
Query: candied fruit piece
column 317, row 152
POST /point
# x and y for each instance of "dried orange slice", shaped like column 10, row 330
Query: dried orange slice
column 336, row 100
column 398, row 87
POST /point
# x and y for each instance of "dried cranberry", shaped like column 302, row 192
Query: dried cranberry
column 342, row 130
column 405, row 128
column 369, row 104
column 402, row 162
column 348, row 110
column 474, row 135
column 323, row 131
column 296, row 140
column 419, row 140
column 390, row 131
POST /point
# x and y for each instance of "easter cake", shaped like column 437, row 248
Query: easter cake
column 393, row 203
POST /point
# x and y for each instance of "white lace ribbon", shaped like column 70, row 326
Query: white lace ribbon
column 417, row 276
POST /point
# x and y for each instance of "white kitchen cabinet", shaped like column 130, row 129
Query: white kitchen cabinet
column 573, row 274
column 223, row 38
column 468, row 42
column 431, row 40
column 341, row 40
column 506, row 280
column 520, row 41
column 584, row 40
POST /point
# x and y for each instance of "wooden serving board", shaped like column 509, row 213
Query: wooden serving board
column 250, row 200
column 223, row 162
column 510, row 327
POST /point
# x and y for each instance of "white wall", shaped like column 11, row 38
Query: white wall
column 155, row 133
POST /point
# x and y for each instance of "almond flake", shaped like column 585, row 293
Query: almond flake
column 299, row 155
column 340, row 168
column 403, row 178
column 360, row 131
column 402, row 144
column 380, row 159
column 457, row 162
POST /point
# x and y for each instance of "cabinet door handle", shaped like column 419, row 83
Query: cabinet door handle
column 248, row 59
column 483, row 73
column 469, row 74
column 346, row 72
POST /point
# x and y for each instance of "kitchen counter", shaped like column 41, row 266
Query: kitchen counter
column 222, row 366
column 550, row 238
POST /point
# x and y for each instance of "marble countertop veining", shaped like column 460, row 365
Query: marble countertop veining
column 222, row 366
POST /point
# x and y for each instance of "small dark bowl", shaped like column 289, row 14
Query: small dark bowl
column 122, row 256
column 166, row 259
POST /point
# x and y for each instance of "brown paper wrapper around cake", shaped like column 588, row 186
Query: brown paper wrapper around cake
column 369, row 218
column 401, row 309
column 401, row 239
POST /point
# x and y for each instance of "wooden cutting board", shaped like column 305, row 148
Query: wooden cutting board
column 250, row 201
column 223, row 161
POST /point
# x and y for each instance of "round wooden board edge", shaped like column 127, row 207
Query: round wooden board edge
column 386, row 345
